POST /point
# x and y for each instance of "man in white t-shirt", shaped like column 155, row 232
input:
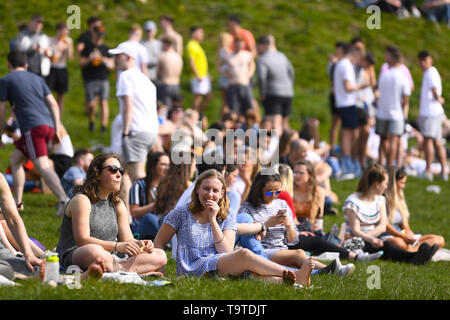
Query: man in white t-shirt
column 344, row 84
column 137, row 102
column 393, row 105
column 431, row 114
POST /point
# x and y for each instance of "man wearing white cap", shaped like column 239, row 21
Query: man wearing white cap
column 137, row 102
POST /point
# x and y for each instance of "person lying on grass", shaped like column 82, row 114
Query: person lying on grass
column 95, row 225
column 206, row 234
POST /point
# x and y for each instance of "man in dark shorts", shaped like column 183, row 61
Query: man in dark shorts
column 58, row 79
column 96, row 64
column 344, row 84
column 38, row 116
column 276, row 82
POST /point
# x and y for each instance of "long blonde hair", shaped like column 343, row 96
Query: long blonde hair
column 224, row 204
column 287, row 178
column 396, row 198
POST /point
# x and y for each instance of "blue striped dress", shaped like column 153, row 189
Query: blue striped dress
column 196, row 252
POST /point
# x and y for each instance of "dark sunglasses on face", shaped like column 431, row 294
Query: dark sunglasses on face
column 114, row 169
column 270, row 193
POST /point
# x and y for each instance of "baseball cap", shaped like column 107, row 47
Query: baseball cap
column 125, row 48
column 149, row 25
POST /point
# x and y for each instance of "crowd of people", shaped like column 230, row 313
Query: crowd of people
column 250, row 205
column 437, row 11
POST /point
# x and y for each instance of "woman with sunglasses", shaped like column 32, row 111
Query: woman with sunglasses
column 398, row 230
column 277, row 226
column 143, row 195
column 365, row 215
column 206, row 233
column 95, row 225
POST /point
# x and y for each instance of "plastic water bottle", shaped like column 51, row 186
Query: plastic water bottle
column 51, row 274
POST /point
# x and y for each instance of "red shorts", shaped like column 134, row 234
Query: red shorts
column 33, row 143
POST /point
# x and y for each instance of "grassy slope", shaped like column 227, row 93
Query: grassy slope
column 306, row 32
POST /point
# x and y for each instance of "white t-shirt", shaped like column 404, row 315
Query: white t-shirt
column 393, row 85
column 430, row 107
column 134, row 83
column 342, row 72
column 368, row 213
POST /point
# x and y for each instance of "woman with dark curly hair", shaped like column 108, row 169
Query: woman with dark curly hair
column 95, row 225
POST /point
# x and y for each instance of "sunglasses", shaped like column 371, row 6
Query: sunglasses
column 114, row 169
column 271, row 193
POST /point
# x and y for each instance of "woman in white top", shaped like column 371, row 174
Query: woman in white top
column 365, row 215
column 398, row 230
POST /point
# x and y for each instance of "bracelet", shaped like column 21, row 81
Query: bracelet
column 223, row 237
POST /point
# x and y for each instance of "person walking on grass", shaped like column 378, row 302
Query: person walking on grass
column 393, row 107
column 37, row 113
column 431, row 115
column 137, row 100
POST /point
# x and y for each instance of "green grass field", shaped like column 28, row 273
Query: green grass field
column 306, row 32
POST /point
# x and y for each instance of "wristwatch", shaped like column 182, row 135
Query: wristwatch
column 125, row 135
column 263, row 227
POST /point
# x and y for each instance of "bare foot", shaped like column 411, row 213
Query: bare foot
column 95, row 270
column 303, row 275
column 289, row 277
column 153, row 273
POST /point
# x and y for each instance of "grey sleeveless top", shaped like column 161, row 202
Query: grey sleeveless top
column 102, row 223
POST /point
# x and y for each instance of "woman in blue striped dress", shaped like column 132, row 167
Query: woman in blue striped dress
column 206, row 235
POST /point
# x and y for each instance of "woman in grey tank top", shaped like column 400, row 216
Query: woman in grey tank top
column 95, row 225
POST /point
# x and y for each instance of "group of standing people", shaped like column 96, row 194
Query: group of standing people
column 359, row 102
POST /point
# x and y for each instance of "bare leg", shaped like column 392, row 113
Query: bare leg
column 441, row 155
column 293, row 258
column 393, row 150
column 146, row 263
column 335, row 124
column 92, row 109
column 362, row 145
column 105, row 112
column 86, row 255
column 18, row 173
column 95, row 270
column 50, row 177
column 60, row 100
column 278, row 123
column 432, row 239
column 429, row 153
column 236, row 262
